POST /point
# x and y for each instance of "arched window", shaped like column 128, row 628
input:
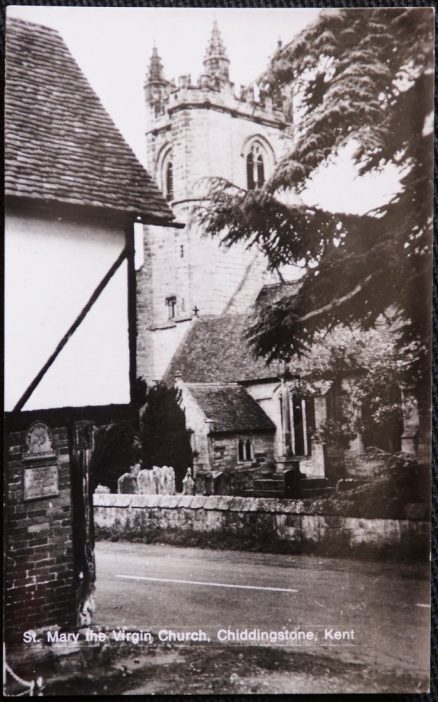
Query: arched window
column 260, row 171
column 250, row 171
column 248, row 450
column 165, row 174
column 245, row 450
column 241, row 450
column 169, row 179
column 255, row 166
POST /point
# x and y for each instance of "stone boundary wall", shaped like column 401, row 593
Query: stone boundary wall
column 294, row 521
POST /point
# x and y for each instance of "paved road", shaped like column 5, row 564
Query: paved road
column 156, row 587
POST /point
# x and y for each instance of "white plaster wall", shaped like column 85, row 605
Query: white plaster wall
column 51, row 269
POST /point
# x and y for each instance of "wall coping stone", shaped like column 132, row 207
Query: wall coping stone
column 123, row 500
column 137, row 500
column 225, row 503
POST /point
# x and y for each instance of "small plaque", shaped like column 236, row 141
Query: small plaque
column 40, row 482
column 39, row 443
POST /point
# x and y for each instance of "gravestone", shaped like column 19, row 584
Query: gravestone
column 171, row 480
column 127, row 484
column 156, row 478
column 188, row 483
column 135, row 470
column 102, row 489
column 146, row 483
column 157, row 481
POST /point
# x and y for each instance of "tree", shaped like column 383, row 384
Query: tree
column 117, row 448
column 370, row 358
column 364, row 77
column 165, row 439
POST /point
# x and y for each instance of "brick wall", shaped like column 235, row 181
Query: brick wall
column 39, row 561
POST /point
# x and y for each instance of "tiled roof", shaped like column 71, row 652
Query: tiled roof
column 214, row 351
column 230, row 408
column 61, row 144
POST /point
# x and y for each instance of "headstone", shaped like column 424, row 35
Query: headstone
column 170, row 480
column 188, row 483
column 156, row 481
column 146, row 483
column 102, row 489
column 135, row 470
column 127, row 484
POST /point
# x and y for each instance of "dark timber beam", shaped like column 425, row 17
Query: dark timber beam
column 132, row 309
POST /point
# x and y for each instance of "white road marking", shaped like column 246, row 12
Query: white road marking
column 420, row 604
column 200, row 582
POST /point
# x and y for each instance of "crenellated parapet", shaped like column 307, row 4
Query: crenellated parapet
column 212, row 89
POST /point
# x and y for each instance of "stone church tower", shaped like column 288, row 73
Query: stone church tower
column 197, row 130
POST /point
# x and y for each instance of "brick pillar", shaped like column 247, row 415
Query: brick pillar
column 40, row 589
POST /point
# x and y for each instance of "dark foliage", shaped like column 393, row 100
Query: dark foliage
column 363, row 77
column 165, row 439
column 116, row 448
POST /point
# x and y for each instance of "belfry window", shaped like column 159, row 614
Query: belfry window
column 250, row 171
column 255, row 167
column 260, row 171
column 169, row 180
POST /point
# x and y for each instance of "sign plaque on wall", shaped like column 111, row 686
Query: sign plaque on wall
column 40, row 482
column 39, row 443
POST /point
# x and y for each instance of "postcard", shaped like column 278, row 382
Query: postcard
column 218, row 302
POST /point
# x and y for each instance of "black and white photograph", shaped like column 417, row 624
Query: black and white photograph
column 218, row 344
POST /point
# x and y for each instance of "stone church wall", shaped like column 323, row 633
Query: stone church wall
column 199, row 427
column 225, row 451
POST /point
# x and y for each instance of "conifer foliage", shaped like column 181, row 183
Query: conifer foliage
column 363, row 77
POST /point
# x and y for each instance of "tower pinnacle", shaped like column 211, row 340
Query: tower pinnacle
column 216, row 61
column 156, row 86
column 155, row 73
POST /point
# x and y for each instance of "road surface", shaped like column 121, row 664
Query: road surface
column 381, row 609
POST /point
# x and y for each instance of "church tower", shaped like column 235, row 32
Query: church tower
column 197, row 130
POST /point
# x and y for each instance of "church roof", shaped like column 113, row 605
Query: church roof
column 214, row 350
column 61, row 144
column 230, row 408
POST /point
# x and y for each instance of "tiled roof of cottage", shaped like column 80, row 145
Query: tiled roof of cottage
column 61, row 144
column 231, row 408
column 214, row 351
